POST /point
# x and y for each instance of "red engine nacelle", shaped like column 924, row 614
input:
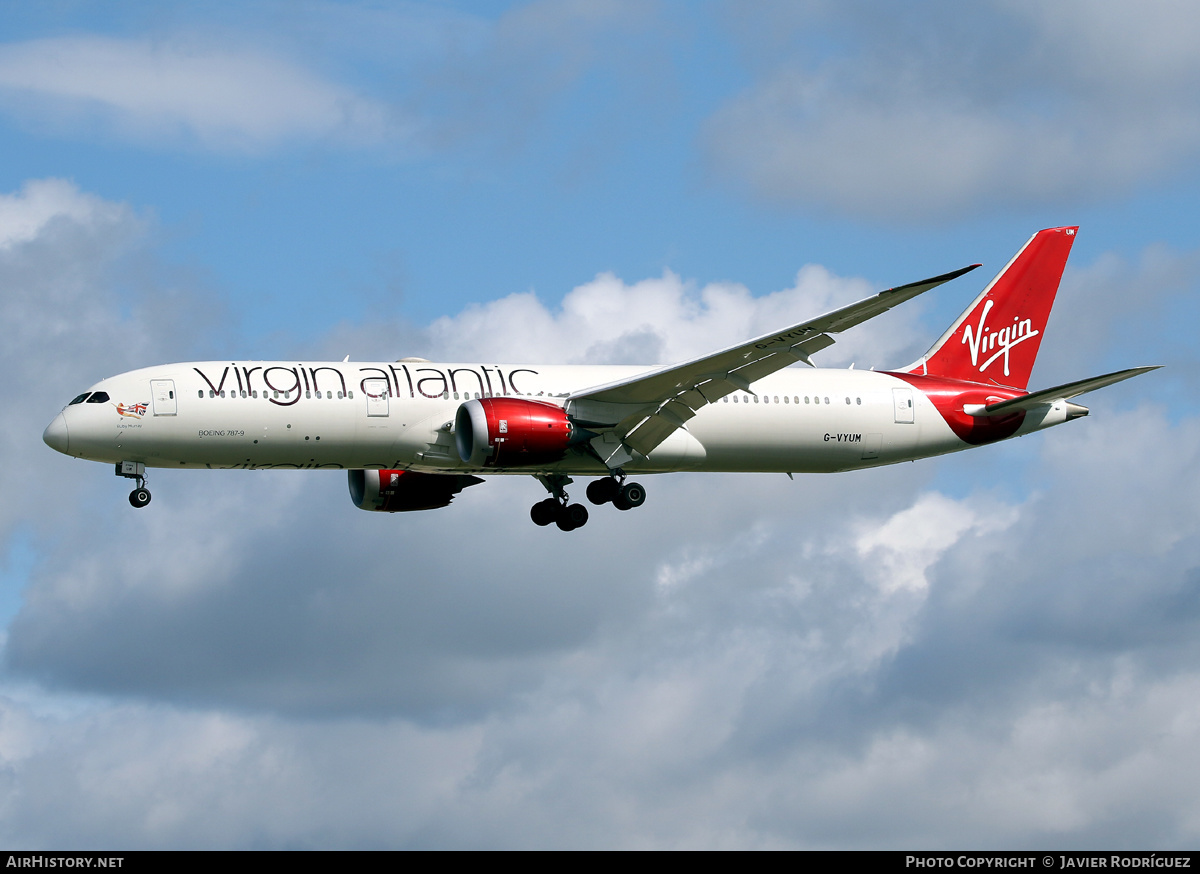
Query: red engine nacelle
column 502, row 432
column 394, row 491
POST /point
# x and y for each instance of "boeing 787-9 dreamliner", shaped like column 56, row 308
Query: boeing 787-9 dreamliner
column 412, row 434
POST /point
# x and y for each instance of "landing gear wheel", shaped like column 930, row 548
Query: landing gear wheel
column 139, row 497
column 571, row 517
column 601, row 491
column 631, row 495
column 544, row 512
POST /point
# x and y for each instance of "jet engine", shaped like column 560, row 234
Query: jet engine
column 394, row 491
column 503, row 432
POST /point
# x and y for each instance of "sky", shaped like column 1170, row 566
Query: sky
column 993, row 649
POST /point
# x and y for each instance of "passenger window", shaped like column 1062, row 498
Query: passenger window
column 100, row 397
column 806, row 399
column 785, row 399
column 79, row 400
column 826, row 400
column 858, row 401
column 200, row 394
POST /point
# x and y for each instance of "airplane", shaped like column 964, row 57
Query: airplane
column 412, row 434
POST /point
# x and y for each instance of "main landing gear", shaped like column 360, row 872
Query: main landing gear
column 135, row 470
column 567, row 516
column 622, row 495
column 556, row 509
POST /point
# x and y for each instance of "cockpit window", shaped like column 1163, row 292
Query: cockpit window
column 100, row 397
column 79, row 400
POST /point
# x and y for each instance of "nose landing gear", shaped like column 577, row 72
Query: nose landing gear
column 135, row 470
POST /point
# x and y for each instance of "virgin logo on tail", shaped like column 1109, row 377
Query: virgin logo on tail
column 984, row 338
column 1019, row 300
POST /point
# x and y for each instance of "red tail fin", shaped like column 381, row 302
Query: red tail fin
column 996, row 340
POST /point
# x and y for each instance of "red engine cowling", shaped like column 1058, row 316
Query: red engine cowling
column 394, row 491
column 503, row 432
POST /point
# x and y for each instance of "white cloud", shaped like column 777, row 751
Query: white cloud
column 249, row 83
column 848, row 660
column 924, row 116
column 737, row 709
column 60, row 251
column 902, row 550
column 665, row 320
column 23, row 216
column 1115, row 312
column 229, row 99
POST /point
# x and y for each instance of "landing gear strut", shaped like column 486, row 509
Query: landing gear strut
column 556, row 509
column 135, row 470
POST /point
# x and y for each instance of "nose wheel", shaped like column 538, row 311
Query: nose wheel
column 135, row 470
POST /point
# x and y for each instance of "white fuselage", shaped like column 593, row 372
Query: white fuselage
column 400, row 415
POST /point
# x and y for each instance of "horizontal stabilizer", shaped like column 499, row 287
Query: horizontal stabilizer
column 1058, row 393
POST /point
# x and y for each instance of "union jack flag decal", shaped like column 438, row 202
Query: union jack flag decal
column 134, row 411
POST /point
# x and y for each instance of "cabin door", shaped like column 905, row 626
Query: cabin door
column 377, row 394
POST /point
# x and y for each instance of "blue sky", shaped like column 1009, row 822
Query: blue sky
column 991, row 649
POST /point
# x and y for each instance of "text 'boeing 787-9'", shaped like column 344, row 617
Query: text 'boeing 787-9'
column 412, row 434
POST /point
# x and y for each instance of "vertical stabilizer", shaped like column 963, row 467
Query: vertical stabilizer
column 996, row 340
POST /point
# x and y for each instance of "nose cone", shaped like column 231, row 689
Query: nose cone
column 55, row 434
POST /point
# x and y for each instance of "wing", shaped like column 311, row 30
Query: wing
column 1058, row 393
column 639, row 413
